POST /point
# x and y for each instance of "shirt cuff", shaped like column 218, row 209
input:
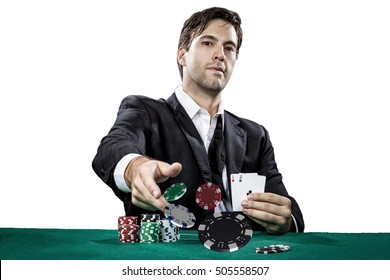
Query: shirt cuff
column 295, row 223
column 119, row 172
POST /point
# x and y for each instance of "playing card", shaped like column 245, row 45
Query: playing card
column 242, row 184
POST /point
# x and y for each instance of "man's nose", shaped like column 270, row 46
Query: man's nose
column 219, row 54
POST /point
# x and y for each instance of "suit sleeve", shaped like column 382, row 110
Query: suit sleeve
column 127, row 135
column 274, row 182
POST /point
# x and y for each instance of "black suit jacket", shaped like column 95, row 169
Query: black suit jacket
column 161, row 129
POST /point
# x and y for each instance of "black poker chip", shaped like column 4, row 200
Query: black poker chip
column 225, row 232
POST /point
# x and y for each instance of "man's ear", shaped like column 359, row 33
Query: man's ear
column 181, row 56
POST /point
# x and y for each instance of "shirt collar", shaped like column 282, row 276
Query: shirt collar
column 190, row 105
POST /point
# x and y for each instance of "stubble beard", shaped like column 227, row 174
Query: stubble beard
column 201, row 80
column 211, row 86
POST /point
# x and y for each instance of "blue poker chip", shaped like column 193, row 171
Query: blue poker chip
column 225, row 232
column 179, row 215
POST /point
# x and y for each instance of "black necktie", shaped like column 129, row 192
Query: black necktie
column 217, row 155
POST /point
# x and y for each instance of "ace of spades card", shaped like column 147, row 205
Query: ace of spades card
column 243, row 184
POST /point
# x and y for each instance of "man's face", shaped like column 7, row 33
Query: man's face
column 209, row 62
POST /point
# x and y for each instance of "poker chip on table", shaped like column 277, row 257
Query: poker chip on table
column 149, row 232
column 127, row 220
column 179, row 215
column 225, row 231
column 208, row 195
column 168, row 231
column 271, row 249
column 175, row 192
column 128, row 229
column 150, row 218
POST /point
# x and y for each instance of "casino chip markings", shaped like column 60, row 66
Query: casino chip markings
column 221, row 232
column 208, row 195
column 128, row 229
column 179, row 215
column 225, row 232
column 151, row 229
column 271, row 249
column 175, row 191
column 168, row 231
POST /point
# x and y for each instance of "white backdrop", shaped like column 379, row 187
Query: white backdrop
column 314, row 73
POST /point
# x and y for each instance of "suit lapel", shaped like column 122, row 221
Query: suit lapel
column 235, row 143
column 192, row 135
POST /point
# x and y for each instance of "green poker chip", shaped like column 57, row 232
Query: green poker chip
column 175, row 191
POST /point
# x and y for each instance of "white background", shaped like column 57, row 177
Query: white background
column 316, row 74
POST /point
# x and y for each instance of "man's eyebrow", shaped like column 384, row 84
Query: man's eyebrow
column 215, row 39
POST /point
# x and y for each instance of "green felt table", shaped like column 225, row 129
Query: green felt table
column 88, row 244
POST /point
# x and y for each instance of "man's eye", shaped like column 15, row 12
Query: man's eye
column 230, row 49
column 206, row 43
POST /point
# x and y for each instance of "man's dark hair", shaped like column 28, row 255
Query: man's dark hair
column 198, row 22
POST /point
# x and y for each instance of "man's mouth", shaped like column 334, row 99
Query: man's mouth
column 217, row 68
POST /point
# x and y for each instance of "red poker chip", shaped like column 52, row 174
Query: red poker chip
column 128, row 231
column 127, row 236
column 129, row 241
column 127, row 222
column 128, row 219
column 208, row 195
column 128, row 226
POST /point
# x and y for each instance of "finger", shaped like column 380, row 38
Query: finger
column 272, row 223
column 159, row 173
column 144, row 194
column 270, row 228
column 148, row 175
column 274, row 218
column 151, row 186
column 158, row 204
column 166, row 170
column 263, row 216
column 143, row 205
column 142, row 197
column 269, row 208
column 270, row 198
column 260, row 222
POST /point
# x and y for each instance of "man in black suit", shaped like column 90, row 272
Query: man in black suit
column 155, row 143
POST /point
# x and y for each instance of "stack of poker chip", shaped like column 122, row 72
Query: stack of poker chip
column 149, row 218
column 271, row 249
column 128, row 229
column 168, row 231
column 149, row 232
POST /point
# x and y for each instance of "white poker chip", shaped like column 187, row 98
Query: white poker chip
column 179, row 215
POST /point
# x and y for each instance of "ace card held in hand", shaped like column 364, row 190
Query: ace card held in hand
column 243, row 184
